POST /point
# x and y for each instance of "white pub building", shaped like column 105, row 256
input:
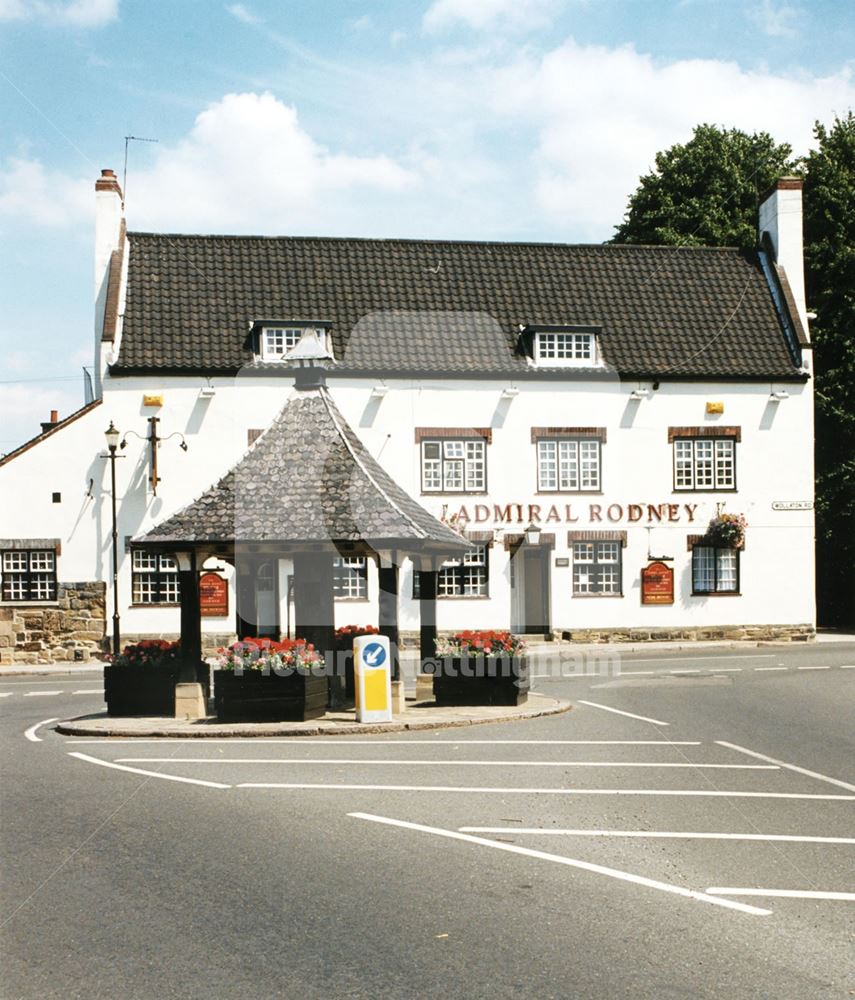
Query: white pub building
column 587, row 417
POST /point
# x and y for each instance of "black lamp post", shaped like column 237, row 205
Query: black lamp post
column 112, row 435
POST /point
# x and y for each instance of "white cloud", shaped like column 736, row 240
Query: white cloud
column 601, row 115
column 76, row 13
column 247, row 164
column 481, row 14
column 243, row 13
column 32, row 194
column 778, row 20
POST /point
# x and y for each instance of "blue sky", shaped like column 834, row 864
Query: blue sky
column 483, row 119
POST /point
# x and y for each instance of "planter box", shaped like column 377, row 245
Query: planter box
column 479, row 680
column 141, row 691
column 258, row 697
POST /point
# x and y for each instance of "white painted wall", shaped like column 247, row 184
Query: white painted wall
column 774, row 462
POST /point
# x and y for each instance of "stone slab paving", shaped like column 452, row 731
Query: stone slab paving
column 422, row 715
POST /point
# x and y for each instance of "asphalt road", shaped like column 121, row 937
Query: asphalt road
column 512, row 860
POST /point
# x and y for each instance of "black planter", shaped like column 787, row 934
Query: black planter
column 479, row 680
column 254, row 696
column 146, row 691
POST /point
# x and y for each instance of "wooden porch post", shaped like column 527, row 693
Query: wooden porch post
column 314, row 607
column 427, row 614
column 191, row 617
column 388, row 611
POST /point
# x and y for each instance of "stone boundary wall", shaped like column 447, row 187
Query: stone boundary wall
column 72, row 629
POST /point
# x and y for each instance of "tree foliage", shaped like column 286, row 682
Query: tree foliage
column 705, row 192
column 830, row 285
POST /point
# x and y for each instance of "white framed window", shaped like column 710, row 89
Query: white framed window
column 465, row 576
column 705, row 463
column 566, row 465
column 154, row 578
column 597, row 569
column 565, row 348
column 28, row 575
column 454, row 465
column 715, row 570
column 277, row 341
column 350, row 578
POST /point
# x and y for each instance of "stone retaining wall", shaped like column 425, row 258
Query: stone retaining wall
column 771, row 633
column 71, row 629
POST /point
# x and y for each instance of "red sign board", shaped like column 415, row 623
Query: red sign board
column 657, row 584
column 213, row 595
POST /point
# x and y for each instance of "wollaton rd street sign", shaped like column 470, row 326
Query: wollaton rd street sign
column 792, row 505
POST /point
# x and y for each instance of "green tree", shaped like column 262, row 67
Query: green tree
column 706, row 192
column 830, row 286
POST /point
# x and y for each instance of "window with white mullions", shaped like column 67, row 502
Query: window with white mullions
column 597, row 569
column 466, row 576
column 154, row 579
column 567, row 465
column 705, row 463
column 715, row 570
column 453, row 465
column 276, row 341
column 350, row 578
column 565, row 346
column 28, row 575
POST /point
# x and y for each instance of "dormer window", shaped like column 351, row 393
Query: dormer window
column 561, row 346
column 275, row 340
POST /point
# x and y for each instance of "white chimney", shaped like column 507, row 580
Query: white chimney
column 781, row 218
column 109, row 213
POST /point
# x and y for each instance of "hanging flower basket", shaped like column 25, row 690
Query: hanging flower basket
column 480, row 668
column 727, row 531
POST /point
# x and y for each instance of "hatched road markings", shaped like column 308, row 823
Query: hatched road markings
column 561, row 860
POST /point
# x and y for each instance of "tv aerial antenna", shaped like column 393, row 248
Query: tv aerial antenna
column 130, row 139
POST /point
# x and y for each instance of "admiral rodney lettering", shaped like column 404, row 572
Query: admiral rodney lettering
column 571, row 513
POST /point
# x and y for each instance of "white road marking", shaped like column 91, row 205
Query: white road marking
column 31, row 732
column 623, row 673
column 789, row 767
column 441, row 763
column 617, row 711
column 150, row 774
column 40, row 694
column 704, row 659
column 770, row 668
column 6, row 694
column 311, row 741
column 659, row 834
column 685, row 670
column 90, row 691
column 561, row 860
column 848, row 666
column 813, row 668
column 781, row 893
column 727, row 670
column 706, row 792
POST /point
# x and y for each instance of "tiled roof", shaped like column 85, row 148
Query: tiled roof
column 308, row 478
column 429, row 306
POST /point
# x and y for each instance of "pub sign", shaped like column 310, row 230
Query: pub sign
column 657, row 584
column 213, row 595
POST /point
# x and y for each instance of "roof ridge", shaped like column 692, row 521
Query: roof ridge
column 426, row 241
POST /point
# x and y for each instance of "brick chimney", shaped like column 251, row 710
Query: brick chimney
column 48, row 424
column 780, row 217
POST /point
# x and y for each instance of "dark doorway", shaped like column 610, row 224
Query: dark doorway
column 530, row 589
column 258, row 599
